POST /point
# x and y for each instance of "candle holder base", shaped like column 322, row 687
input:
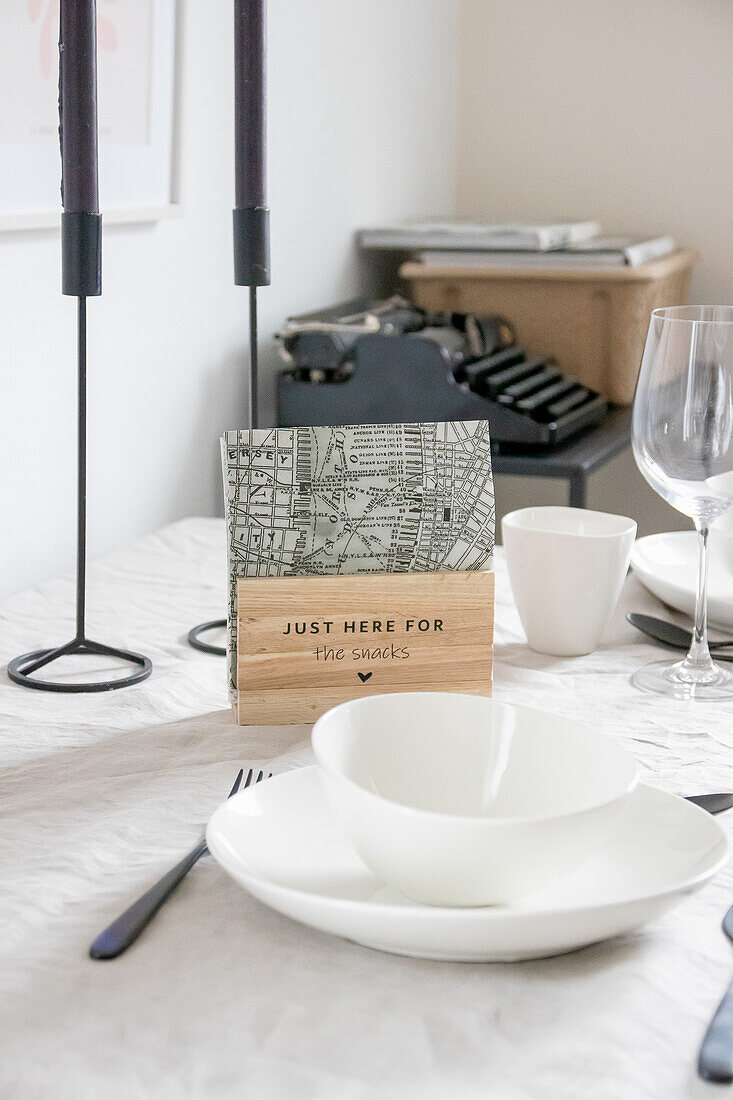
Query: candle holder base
column 21, row 668
column 206, row 647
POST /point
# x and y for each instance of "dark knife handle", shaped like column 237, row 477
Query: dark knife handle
column 713, row 803
column 126, row 929
column 716, row 1053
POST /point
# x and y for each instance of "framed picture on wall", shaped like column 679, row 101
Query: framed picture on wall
column 137, row 89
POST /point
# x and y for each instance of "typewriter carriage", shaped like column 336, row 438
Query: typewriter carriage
column 388, row 362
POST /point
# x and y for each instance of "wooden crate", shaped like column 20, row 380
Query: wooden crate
column 358, row 635
column 593, row 322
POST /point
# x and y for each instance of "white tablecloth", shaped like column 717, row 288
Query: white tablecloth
column 222, row 997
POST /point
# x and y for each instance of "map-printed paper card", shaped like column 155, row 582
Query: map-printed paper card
column 385, row 498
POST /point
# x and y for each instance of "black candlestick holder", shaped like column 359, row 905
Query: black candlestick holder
column 251, row 227
column 81, row 236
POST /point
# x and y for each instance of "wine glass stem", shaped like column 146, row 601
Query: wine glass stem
column 699, row 654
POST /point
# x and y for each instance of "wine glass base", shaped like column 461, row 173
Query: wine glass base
column 672, row 679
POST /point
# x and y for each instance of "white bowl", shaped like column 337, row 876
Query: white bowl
column 460, row 800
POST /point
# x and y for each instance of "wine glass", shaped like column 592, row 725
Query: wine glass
column 682, row 435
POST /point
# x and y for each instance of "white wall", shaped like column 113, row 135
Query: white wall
column 362, row 110
column 621, row 111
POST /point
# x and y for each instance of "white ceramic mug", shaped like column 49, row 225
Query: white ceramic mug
column 566, row 569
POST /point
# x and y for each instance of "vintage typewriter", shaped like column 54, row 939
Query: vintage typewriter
column 365, row 362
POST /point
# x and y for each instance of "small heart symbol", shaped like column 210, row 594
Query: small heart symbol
column 363, row 676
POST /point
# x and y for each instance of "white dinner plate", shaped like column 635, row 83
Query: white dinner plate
column 667, row 565
column 281, row 842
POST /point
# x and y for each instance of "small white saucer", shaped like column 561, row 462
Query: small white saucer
column 667, row 565
column 281, row 842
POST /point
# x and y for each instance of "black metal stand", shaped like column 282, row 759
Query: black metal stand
column 251, row 268
column 194, row 638
column 81, row 235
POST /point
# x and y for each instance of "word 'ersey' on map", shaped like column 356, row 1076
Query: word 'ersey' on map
column 384, row 498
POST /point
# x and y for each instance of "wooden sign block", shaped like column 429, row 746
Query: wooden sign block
column 305, row 644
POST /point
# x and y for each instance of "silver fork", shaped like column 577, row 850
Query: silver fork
column 125, row 930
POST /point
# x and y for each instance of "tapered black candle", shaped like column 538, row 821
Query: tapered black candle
column 249, row 103
column 251, row 215
column 78, row 106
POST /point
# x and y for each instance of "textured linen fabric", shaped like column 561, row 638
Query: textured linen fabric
column 221, row 997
